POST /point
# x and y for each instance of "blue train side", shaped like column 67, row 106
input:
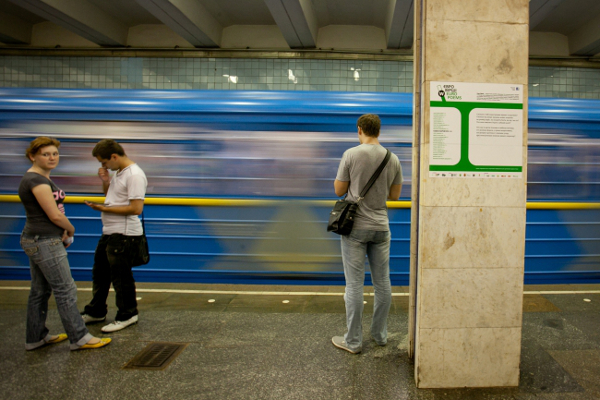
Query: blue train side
column 238, row 180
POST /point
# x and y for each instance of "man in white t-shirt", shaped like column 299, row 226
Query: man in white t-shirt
column 121, row 235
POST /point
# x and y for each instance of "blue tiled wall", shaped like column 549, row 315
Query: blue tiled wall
column 257, row 74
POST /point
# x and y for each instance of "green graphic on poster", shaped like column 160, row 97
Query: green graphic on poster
column 476, row 130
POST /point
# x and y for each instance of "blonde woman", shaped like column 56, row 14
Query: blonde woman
column 47, row 233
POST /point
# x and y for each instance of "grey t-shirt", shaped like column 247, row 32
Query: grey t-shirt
column 37, row 222
column 357, row 166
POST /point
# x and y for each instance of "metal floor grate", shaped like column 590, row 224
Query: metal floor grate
column 156, row 356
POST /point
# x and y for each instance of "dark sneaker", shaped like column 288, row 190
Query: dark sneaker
column 340, row 343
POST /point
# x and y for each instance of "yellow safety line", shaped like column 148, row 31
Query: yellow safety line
column 562, row 206
column 177, row 201
column 274, row 293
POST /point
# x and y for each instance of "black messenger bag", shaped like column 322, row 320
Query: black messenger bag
column 141, row 255
column 341, row 218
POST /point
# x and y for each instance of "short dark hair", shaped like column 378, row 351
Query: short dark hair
column 39, row 142
column 370, row 124
column 106, row 148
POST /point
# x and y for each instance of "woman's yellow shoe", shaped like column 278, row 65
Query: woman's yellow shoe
column 57, row 339
column 52, row 340
column 103, row 342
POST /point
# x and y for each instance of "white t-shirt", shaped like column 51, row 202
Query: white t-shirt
column 128, row 184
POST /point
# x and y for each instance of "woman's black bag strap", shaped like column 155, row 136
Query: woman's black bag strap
column 375, row 175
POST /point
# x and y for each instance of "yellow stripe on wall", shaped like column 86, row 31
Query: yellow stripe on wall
column 199, row 202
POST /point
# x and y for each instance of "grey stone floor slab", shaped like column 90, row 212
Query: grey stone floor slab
column 256, row 347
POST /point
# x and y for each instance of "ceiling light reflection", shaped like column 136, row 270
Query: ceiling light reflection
column 291, row 76
column 231, row 78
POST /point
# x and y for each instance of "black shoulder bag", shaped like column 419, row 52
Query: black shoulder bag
column 142, row 255
column 341, row 218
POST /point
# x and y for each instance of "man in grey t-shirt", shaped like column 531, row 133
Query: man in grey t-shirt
column 370, row 235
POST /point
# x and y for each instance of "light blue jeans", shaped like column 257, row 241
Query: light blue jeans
column 376, row 246
column 50, row 273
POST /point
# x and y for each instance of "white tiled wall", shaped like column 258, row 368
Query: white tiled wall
column 206, row 73
column 256, row 74
column 564, row 82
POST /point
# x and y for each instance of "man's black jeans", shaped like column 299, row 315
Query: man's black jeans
column 112, row 264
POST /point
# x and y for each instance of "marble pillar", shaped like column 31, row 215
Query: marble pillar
column 468, row 238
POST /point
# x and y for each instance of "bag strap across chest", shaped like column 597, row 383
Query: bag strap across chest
column 375, row 176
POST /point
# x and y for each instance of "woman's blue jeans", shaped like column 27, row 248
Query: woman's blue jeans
column 50, row 273
column 355, row 247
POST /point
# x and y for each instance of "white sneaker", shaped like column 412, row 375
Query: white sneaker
column 88, row 319
column 340, row 343
column 118, row 325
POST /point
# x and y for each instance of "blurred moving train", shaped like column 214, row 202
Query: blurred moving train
column 240, row 183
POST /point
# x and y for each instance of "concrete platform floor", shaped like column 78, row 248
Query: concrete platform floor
column 249, row 344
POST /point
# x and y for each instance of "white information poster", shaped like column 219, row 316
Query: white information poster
column 476, row 130
column 495, row 137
